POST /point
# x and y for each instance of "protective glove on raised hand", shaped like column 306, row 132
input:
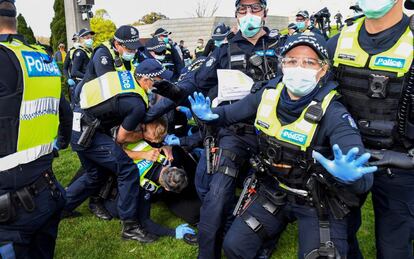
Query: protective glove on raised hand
column 186, row 111
column 183, row 229
column 201, row 107
column 172, row 140
column 169, row 90
column 348, row 168
column 71, row 82
column 392, row 159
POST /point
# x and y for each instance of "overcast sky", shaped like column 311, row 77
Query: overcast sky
column 39, row 14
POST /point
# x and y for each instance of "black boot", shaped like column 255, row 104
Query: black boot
column 132, row 230
column 98, row 209
column 191, row 239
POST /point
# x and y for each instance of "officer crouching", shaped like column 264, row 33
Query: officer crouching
column 32, row 111
column 111, row 100
column 297, row 117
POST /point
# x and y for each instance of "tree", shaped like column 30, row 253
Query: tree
column 203, row 9
column 58, row 25
column 24, row 30
column 150, row 18
column 102, row 26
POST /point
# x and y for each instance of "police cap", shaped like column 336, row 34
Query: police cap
column 155, row 45
column 303, row 13
column 161, row 32
column 292, row 26
column 409, row 4
column 315, row 41
column 129, row 36
column 152, row 68
column 84, row 32
column 263, row 2
column 220, row 32
column 8, row 12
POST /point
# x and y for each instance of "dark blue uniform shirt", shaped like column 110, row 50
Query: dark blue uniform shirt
column 336, row 127
column 10, row 75
column 80, row 62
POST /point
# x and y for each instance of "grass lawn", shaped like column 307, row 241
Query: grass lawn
column 88, row 237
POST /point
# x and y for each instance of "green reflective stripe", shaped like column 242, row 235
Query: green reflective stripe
column 397, row 60
column 38, row 118
column 299, row 133
column 110, row 85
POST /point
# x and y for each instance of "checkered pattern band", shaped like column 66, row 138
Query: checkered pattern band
column 126, row 41
column 156, row 47
column 151, row 75
column 320, row 48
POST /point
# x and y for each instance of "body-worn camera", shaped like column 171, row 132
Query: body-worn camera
column 378, row 86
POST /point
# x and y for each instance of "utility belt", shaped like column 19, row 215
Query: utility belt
column 24, row 197
column 89, row 125
column 242, row 129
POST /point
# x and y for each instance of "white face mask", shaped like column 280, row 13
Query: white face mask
column 300, row 81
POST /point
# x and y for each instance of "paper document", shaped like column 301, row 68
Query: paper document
column 232, row 85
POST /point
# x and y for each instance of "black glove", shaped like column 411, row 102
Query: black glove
column 391, row 159
column 169, row 90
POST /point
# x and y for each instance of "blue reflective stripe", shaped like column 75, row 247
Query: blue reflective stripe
column 7, row 251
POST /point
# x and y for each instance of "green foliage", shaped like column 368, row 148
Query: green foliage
column 150, row 18
column 58, row 25
column 25, row 30
column 104, row 28
column 88, row 237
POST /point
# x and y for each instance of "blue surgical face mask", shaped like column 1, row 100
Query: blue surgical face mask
column 89, row 43
column 301, row 25
column 375, row 9
column 166, row 40
column 250, row 25
column 218, row 43
column 127, row 56
column 300, row 81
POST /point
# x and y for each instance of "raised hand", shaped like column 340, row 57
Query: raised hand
column 346, row 168
column 201, row 107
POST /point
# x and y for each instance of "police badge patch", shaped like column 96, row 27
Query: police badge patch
column 104, row 60
column 210, row 62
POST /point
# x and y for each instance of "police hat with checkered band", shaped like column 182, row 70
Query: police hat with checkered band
column 220, row 32
column 152, row 68
column 303, row 13
column 155, row 45
column 84, row 32
column 263, row 2
column 129, row 36
column 315, row 41
column 6, row 11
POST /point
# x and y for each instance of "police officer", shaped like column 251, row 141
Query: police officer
column 32, row 112
column 373, row 60
column 113, row 99
column 158, row 50
column 68, row 63
column 303, row 23
column 173, row 56
column 199, row 50
column 82, row 55
column 220, row 36
column 217, row 188
column 297, row 116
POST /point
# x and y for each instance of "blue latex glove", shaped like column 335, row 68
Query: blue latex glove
column 56, row 145
column 71, row 82
column 186, row 111
column 346, row 168
column 183, row 229
column 201, row 107
column 172, row 140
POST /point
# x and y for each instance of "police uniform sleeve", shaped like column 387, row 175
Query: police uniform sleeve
column 8, row 73
column 340, row 128
column 65, row 67
column 79, row 58
column 241, row 110
column 65, row 125
column 331, row 46
column 102, row 62
column 133, row 111
column 163, row 106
